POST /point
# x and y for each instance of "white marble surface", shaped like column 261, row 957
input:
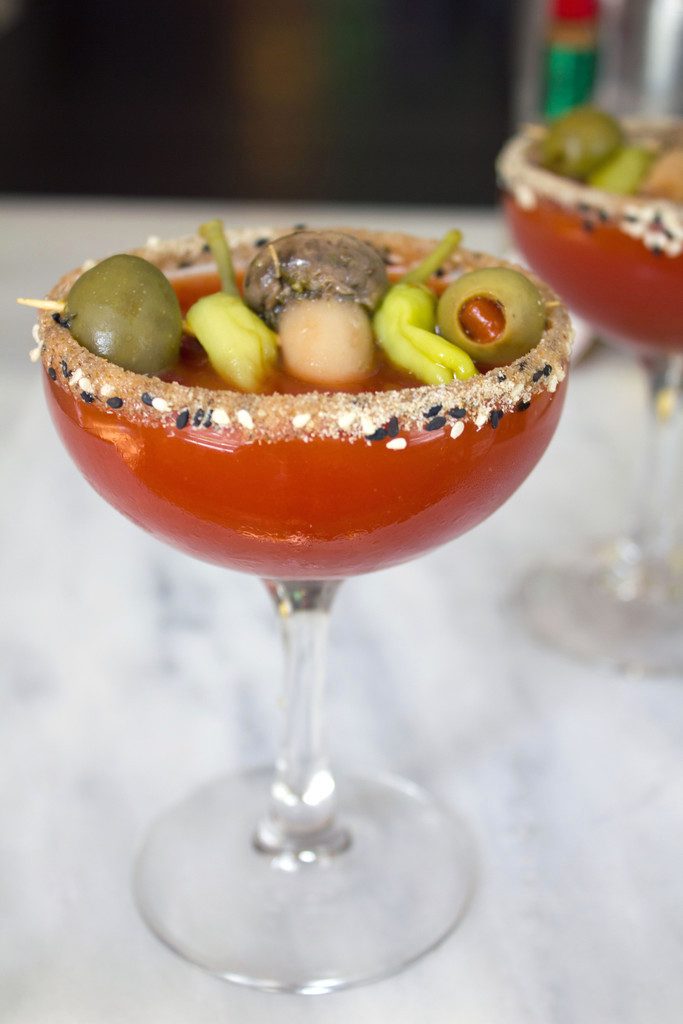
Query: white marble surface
column 130, row 674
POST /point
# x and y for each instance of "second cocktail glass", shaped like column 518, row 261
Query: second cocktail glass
column 617, row 261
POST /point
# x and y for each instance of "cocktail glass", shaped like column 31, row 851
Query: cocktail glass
column 259, row 878
column 618, row 262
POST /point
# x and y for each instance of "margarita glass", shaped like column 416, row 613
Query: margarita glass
column 303, row 489
column 617, row 261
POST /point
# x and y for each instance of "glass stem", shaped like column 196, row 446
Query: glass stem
column 301, row 817
column 649, row 560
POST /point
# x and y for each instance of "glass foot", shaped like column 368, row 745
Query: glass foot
column 285, row 923
column 604, row 613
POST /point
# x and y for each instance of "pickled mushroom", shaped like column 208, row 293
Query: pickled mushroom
column 314, row 265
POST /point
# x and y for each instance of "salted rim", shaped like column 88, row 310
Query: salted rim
column 519, row 173
column 273, row 417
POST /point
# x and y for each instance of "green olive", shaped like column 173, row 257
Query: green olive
column 494, row 314
column 578, row 142
column 125, row 310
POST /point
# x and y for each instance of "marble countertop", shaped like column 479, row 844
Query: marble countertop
column 115, row 701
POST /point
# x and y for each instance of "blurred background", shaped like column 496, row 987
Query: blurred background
column 308, row 100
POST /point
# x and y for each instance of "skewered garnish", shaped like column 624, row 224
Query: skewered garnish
column 240, row 347
column 494, row 314
column 121, row 309
column 125, row 310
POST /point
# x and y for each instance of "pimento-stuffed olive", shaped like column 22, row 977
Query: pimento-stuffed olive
column 494, row 314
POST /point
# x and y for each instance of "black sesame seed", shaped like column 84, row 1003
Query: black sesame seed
column 198, row 417
column 588, row 225
column 537, row 376
column 52, row 373
column 657, row 250
column 114, row 403
column 583, row 207
column 260, row 242
column 523, row 406
column 501, row 378
column 209, row 418
column 436, row 424
column 434, row 411
column 392, row 426
column 457, row 413
column 378, row 435
column 87, row 397
column 206, row 247
column 184, row 264
column 182, row 419
column 603, row 215
column 65, row 369
column 439, row 272
column 299, row 227
column 547, row 370
column 146, row 398
column 495, row 418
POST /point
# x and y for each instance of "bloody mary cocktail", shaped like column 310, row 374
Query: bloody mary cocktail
column 304, row 484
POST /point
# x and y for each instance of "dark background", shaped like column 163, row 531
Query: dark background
column 360, row 100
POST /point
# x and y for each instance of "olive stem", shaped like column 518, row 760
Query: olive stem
column 431, row 263
column 213, row 234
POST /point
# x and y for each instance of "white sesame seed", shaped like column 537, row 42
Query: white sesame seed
column 481, row 419
column 300, row 420
column 457, row 429
column 35, row 334
column 34, row 354
column 397, row 444
column 220, row 417
column 87, row 265
column 106, row 390
column 525, row 196
column 367, row 425
column 75, row 377
column 160, row 404
column 552, row 385
column 244, row 419
column 346, row 419
column 85, row 384
column 153, row 242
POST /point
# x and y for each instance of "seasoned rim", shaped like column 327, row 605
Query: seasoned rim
column 254, row 417
column 658, row 223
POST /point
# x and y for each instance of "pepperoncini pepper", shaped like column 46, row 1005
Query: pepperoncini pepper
column 404, row 324
column 240, row 347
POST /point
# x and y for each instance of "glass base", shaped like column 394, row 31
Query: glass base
column 606, row 614
column 283, row 923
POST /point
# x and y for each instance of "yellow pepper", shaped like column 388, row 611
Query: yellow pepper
column 240, row 347
column 405, row 321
